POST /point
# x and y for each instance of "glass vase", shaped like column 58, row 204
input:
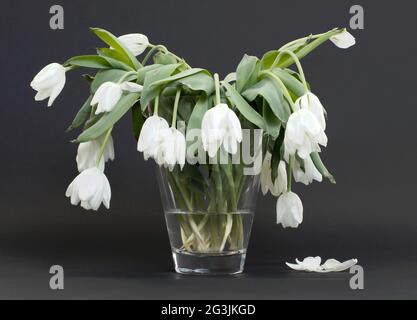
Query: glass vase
column 209, row 211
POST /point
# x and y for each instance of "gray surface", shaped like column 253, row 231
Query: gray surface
column 367, row 90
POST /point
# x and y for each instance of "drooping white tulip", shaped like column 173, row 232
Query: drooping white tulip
column 289, row 210
column 343, row 40
column 280, row 184
column 135, row 42
column 311, row 102
column 131, row 87
column 312, row 264
column 172, row 148
column 309, row 173
column 220, row 127
column 107, row 96
column 91, row 188
column 304, row 134
column 150, row 136
column 49, row 82
column 88, row 153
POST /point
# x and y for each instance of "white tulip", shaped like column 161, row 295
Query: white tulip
column 289, row 210
column 343, row 40
column 107, row 96
column 280, row 184
column 220, row 127
column 49, row 82
column 172, row 148
column 91, row 188
column 88, row 153
column 312, row 264
column 131, row 87
column 304, row 134
column 135, row 42
column 311, row 102
column 150, row 136
column 309, row 173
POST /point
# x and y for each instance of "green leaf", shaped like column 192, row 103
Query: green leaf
column 245, row 72
column 150, row 91
column 110, row 39
column 109, row 119
column 290, row 81
column 271, row 120
column 320, row 167
column 198, row 82
column 244, row 108
column 112, row 58
column 178, row 76
column 89, row 61
column 271, row 92
column 113, row 75
column 196, row 117
column 164, row 58
column 137, row 120
column 301, row 51
column 231, row 77
column 82, row 114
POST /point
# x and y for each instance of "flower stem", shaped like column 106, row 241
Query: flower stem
column 156, row 105
column 289, row 175
column 165, row 50
column 125, row 76
column 175, row 111
column 217, row 87
column 297, row 62
column 103, row 146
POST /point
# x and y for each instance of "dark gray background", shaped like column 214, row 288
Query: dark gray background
column 368, row 90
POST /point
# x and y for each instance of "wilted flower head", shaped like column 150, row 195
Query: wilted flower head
column 343, row 40
column 289, row 210
column 150, row 137
column 88, row 153
column 49, row 82
column 135, row 42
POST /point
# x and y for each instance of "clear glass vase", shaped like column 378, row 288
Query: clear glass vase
column 209, row 211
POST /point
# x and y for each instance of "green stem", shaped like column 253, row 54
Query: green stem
column 103, row 146
column 175, row 111
column 165, row 50
column 217, row 86
column 156, row 105
column 126, row 75
column 282, row 85
column 297, row 62
column 151, row 53
column 289, row 175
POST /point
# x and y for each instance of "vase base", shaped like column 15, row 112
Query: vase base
column 229, row 263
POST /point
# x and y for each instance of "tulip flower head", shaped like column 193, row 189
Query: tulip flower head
column 220, row 128
column 311, row 102
column 91, row 188
column 135, row 42
column 150, row 137
column 172, row 148
column 88, row 153
column 289, row 210
column 304, row 134
column 280, row 184
column 49, row 82
column 343, row 40
column 309, row 173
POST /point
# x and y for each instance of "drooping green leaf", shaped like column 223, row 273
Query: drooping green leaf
column 143, row 71
column 290, row 81
column 109, row 119
column 89, row 61
column 196, row 118
column 113, row 75
column 271, row 92
column 246, row 72
column 111, row 56
column 198, row 82
column 321, row 168
column 137, row 120
column 231, row 77
column 271, row 120
column 110, row 39
column 150, row 90
column 277, row 154
column 301, row 51
column 244, row 108
column 178, row 76
column 82, row 114
column 164, row 58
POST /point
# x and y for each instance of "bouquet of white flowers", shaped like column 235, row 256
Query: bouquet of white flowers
column 199, row 129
